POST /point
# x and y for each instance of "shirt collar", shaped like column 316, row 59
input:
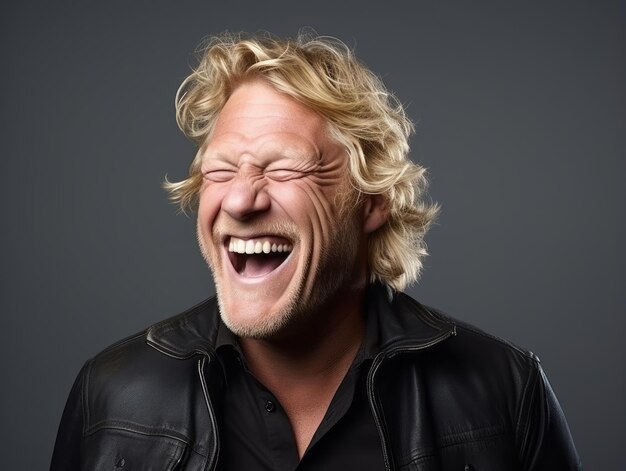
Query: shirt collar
column 227, row 341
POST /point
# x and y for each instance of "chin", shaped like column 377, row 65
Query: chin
column 253, row 319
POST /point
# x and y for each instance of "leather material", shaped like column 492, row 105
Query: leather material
column 444, row 395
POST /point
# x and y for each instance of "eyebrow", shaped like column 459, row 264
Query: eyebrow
column 267, row 150
column 298, row 152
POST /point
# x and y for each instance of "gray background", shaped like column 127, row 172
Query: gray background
column 521, row 123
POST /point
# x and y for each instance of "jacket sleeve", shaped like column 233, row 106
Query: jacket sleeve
column 546, row 441
column 66, row 455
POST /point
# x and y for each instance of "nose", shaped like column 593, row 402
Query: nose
column 245, row 198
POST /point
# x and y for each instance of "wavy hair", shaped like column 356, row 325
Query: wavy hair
column 323, row 74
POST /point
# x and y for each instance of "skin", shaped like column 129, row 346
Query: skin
column 271, row 170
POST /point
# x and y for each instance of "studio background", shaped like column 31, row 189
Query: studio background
column 521, row 121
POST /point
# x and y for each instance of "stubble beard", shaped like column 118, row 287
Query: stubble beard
column 330, row 276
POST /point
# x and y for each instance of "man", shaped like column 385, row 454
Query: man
column 311, row 218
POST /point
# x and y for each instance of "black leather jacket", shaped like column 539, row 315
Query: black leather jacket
column 444, row 396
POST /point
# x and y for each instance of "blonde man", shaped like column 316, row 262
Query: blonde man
column 312, row 219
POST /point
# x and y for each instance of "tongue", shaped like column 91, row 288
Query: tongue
column 261, row 264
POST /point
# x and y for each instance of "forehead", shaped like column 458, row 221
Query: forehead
column 257, row 116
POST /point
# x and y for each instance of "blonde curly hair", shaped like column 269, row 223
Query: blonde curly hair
column 323, row 74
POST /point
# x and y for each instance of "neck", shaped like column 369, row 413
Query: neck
column 309, row 361
column 322, row 347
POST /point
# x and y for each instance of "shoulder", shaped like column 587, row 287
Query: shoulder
column 407, row 325
column 478, row 368
column 478, row 378
column 137, row 380
column 134, row 402
column 497, row 375
column 121, row 376
column 471, row 337
column 479, row 357
column 466, row 343
column 176, row 337
column 468, row 362
column 481, row 392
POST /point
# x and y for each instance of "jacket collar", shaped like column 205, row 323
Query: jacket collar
column 402, row 323
column 190, row 333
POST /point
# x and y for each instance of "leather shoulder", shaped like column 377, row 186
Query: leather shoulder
column 483, row 375
column 137, row 383
column 478, row 346
column 130, row 384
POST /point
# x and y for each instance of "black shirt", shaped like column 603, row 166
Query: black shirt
column 255, row 433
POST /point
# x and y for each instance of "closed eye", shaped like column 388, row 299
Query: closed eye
column 283, row 174
column 219, row 175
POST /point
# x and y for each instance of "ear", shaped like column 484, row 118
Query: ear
column 375, row 212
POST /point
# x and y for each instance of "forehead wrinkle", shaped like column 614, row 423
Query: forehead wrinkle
column 279, row 117
column 264, row 129
column 304, row 150
column 221, row 153
column 266, row 147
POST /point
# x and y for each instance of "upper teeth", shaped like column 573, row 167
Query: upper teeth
column 251, row 246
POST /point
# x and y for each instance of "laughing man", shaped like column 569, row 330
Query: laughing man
column 311, row 218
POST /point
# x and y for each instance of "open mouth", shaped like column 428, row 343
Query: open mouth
column 253, row 258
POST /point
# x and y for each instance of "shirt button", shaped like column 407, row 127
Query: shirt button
column 270, row 406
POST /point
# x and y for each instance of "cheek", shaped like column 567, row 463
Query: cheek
column 209, row 204
column 306, row 203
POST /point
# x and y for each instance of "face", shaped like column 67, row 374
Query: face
column 268, row 219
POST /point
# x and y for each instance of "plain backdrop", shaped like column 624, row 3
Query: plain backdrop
column 521, row 122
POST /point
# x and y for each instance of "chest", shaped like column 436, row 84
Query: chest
column 258, row 432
